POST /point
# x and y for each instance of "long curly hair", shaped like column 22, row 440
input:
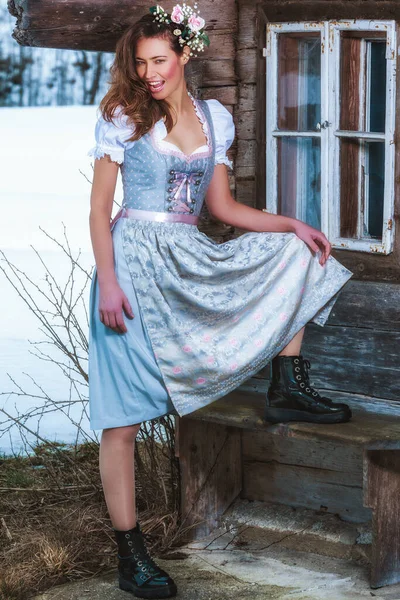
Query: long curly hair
column 127, row 91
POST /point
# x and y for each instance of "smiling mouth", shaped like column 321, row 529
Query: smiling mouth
column 156, row 86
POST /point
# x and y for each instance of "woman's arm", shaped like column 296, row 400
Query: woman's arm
column 224, row 208
column 112, row 298
column 101, row 200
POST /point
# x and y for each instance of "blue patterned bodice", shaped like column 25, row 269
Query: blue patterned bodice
column 161, row 180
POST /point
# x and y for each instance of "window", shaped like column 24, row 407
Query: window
column 330, row 128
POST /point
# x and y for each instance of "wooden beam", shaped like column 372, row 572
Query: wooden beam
column 382, row 494
column 261, row 108
column 320, row 10
column 211, row 474
column 97, row 25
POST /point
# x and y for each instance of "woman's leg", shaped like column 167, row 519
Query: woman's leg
column 117, row 470
column 294, row 346
column 138, row 573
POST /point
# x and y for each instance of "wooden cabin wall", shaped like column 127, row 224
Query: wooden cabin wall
column 248, row 56
column 228, row 71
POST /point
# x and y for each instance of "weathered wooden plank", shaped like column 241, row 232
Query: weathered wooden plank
column 211, row 473
column 371, row 267
column 246, row 173
column 245, row 192
column 368, row 304
column 245, row 410
column 247, row 24
column 316, row 454
column 246, row 61
column 228, row 95
column 246, row 125
column 261, row 110
column 317, row 489
column 361, row 361
column 94, row 25
column 219, row 72
column 382, row 494
column 246, row 153
column 318, row 10
column 247, row 97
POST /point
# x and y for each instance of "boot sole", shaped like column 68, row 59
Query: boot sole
column 166, row 592
column 284, row 415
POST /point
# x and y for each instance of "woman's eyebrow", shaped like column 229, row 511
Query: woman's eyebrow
column 152, row 58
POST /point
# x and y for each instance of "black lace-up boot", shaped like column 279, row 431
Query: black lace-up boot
column 291, row 398
column 138, row 573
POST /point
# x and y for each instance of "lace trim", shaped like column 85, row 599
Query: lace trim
column 224, row 161
column 114, row 154
column 178, row 153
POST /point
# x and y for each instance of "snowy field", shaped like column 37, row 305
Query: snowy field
column 45, row 183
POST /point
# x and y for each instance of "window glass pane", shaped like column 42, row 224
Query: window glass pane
column 299, row 179
column 377, row 87
column 375, row 183
column 362, row 182
column 350, row 108
column 299, row 81
column 363, row 82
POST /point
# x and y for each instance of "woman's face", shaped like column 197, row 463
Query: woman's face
column 159, row 66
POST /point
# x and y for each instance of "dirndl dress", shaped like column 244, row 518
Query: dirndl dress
column 208, row 315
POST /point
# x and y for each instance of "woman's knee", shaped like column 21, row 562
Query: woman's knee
column 126, row 434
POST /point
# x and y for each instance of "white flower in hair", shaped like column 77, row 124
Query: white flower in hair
column 192, row 25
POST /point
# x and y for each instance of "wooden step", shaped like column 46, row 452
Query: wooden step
column 256, row 526
column 244, row 409
column 220, row 462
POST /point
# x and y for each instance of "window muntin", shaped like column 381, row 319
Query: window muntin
column 330, row 110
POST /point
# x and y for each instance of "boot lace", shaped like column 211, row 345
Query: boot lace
column 145, row 563
column 306, row 383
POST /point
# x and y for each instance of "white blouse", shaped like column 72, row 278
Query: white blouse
column 111, row 136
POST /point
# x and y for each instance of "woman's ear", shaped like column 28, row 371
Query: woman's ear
column 186, row 55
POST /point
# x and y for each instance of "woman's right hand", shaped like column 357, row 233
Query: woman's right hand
column 112, row 301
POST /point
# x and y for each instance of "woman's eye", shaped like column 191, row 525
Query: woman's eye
column 160, row 61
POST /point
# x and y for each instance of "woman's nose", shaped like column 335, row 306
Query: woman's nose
column 149, row 72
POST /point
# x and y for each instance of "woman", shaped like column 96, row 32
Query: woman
column 176, row 320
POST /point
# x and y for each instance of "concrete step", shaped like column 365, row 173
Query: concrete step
column 257, row 526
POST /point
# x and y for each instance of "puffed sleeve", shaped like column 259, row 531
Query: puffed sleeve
column 111, row 137
column 224, row 129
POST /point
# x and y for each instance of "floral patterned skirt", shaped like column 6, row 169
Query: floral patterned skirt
column 207, row 316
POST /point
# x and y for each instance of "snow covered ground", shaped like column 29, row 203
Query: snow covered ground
column 45, row 182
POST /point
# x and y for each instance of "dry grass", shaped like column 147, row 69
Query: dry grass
column 54, row 525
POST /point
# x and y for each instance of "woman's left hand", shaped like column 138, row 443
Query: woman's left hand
column 314, row 239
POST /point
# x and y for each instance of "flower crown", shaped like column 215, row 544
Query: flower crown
column 190, row 26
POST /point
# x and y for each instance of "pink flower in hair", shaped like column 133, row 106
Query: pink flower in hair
column 258, row 343
column 234, row 366
column 283, row 317
column 177, row 15
column 200, row 380
column 195, row 22
column 186, row 349
column 210, row 360
column 177, row 370
column 206, row 337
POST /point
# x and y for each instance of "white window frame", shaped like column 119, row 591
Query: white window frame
column 330, row 134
